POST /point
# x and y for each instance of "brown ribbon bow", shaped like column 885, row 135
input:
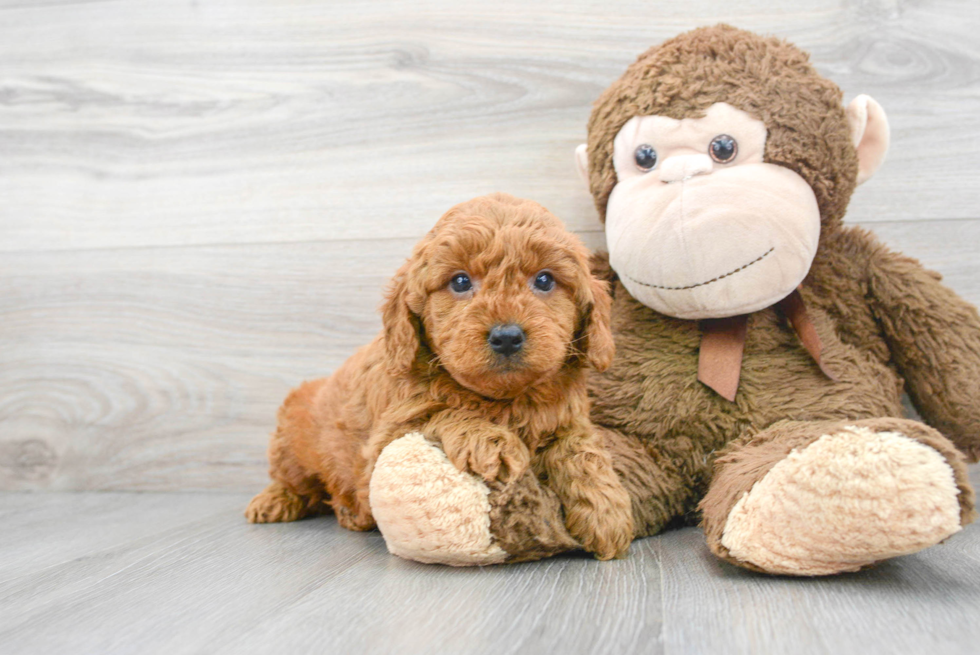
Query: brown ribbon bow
column 723, row 342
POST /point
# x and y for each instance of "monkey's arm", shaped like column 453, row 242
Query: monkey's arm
column 934, row 337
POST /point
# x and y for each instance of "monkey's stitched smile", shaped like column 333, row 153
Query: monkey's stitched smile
column 714, row 279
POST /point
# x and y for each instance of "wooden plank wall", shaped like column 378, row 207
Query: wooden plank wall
column 200, row 201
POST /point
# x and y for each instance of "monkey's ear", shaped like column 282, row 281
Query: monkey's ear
column 599, row 345
column 401, row 325
column 869, row 133
column 582, row 163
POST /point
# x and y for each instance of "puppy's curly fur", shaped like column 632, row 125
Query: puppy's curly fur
column 432, row 370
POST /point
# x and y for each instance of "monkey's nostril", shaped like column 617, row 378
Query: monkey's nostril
column 506, row 339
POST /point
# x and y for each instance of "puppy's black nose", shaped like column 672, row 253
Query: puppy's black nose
column 506, row 339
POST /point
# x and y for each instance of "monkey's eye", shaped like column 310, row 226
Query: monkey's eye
column 460, row 283
column 723, row 148
column 544, row 281
column 646, row 157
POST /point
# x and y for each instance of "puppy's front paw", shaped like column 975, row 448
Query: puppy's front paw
column 603, row 523
column 494, row 453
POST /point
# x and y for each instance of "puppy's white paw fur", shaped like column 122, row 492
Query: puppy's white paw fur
column 845, row 501
column 429, row 511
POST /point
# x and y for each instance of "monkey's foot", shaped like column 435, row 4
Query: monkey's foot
column 428, row 510
column 844, row 500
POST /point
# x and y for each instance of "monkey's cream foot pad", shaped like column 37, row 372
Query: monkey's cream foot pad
column 847, row 500
column 428, row 510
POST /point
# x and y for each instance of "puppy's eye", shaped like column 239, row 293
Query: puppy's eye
column 645, row 157
column 460, row 283
column 544, row 281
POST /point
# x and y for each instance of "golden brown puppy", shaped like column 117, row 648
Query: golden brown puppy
column 488, row 331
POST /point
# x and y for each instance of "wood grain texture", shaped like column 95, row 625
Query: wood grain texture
column 162, row 122
column 162, row 368
column 41, row 531
column 200, row 202
column 215, row 584
column 211, row 583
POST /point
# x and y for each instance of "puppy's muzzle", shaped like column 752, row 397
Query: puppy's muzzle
column 507, row 339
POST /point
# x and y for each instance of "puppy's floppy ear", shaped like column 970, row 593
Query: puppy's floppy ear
column 599, row 345
column 402, row 327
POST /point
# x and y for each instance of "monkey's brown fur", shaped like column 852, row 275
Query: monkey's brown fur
column 432, row 371
column 886, row 324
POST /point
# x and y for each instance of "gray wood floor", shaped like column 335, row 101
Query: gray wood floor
column 176, row 573
column 200, row 202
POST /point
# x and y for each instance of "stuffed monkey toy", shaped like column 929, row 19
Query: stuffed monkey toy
column 762, row 347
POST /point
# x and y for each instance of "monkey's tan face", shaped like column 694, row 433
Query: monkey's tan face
column 698, row 225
